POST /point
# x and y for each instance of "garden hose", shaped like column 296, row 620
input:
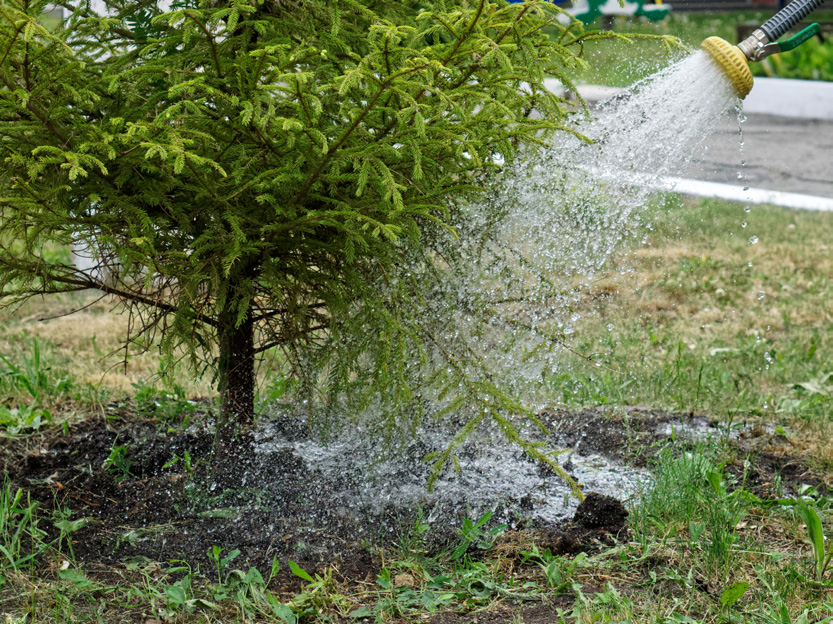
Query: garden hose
column 734, row 60
column 780, row 23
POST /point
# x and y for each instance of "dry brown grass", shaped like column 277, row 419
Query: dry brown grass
column 698, row 286
column 88, row 343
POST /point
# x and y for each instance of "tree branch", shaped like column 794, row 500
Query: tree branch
column 347, row 133
column 90, row 283
column 282, row 341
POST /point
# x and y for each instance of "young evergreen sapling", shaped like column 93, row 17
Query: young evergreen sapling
column 252, row 176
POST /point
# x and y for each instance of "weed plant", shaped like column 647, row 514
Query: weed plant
column 822, row 547
column 118, row 462
column 170, row 406
column 691, row 496
column 21, row 540
column 29, row 377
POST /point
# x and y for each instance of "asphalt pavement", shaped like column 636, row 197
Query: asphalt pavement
column 780, row 154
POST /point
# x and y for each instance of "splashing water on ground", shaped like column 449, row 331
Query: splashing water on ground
column 568, row 210
column 365, row 481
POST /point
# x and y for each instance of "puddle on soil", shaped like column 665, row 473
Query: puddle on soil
column 493, row 476
column 704, row 429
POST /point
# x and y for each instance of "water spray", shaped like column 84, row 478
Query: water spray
column 734, row 60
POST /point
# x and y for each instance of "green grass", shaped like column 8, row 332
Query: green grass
column 690, row 494
column 698, row 554
column 708, row 322
column 21, row 541
column 37, row 384
column 690, row 332
column 30, row 375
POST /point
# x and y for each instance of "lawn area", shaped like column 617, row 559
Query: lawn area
column 699, row 325
column 707, row 321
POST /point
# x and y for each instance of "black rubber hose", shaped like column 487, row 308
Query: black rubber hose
column 788, row 17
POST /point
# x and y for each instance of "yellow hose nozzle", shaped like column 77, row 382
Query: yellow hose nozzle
column 732, row 61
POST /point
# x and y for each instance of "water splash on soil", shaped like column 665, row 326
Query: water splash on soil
column 566, row 213
column 365, row 480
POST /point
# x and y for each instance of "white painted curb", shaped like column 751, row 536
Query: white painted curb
column 782, row 97
column 803, row 99
column 796, row 201
column 729, row 192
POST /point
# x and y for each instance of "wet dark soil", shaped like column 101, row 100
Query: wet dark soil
column 544, row 613
column 152, row 494
column 763, row 460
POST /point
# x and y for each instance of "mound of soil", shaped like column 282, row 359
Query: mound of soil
column 598, row 511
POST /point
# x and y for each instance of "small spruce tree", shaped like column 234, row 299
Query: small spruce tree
column 251, row 176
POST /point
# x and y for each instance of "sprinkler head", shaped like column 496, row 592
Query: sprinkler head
column 732, row 61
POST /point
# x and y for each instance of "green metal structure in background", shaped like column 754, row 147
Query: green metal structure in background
column 588, row 10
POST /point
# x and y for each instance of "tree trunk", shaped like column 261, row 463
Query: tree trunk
column 236, row 376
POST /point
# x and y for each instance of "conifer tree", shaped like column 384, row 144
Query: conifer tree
column 254, row 176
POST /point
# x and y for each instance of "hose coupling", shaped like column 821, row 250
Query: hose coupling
column 757, row 46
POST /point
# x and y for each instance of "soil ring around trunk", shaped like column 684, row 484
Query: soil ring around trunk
column 157, row 499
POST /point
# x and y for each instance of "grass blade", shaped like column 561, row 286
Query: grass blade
column 814, row 530
column 300, row 572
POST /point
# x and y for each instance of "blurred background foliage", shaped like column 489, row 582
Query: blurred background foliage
column 620, row 63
